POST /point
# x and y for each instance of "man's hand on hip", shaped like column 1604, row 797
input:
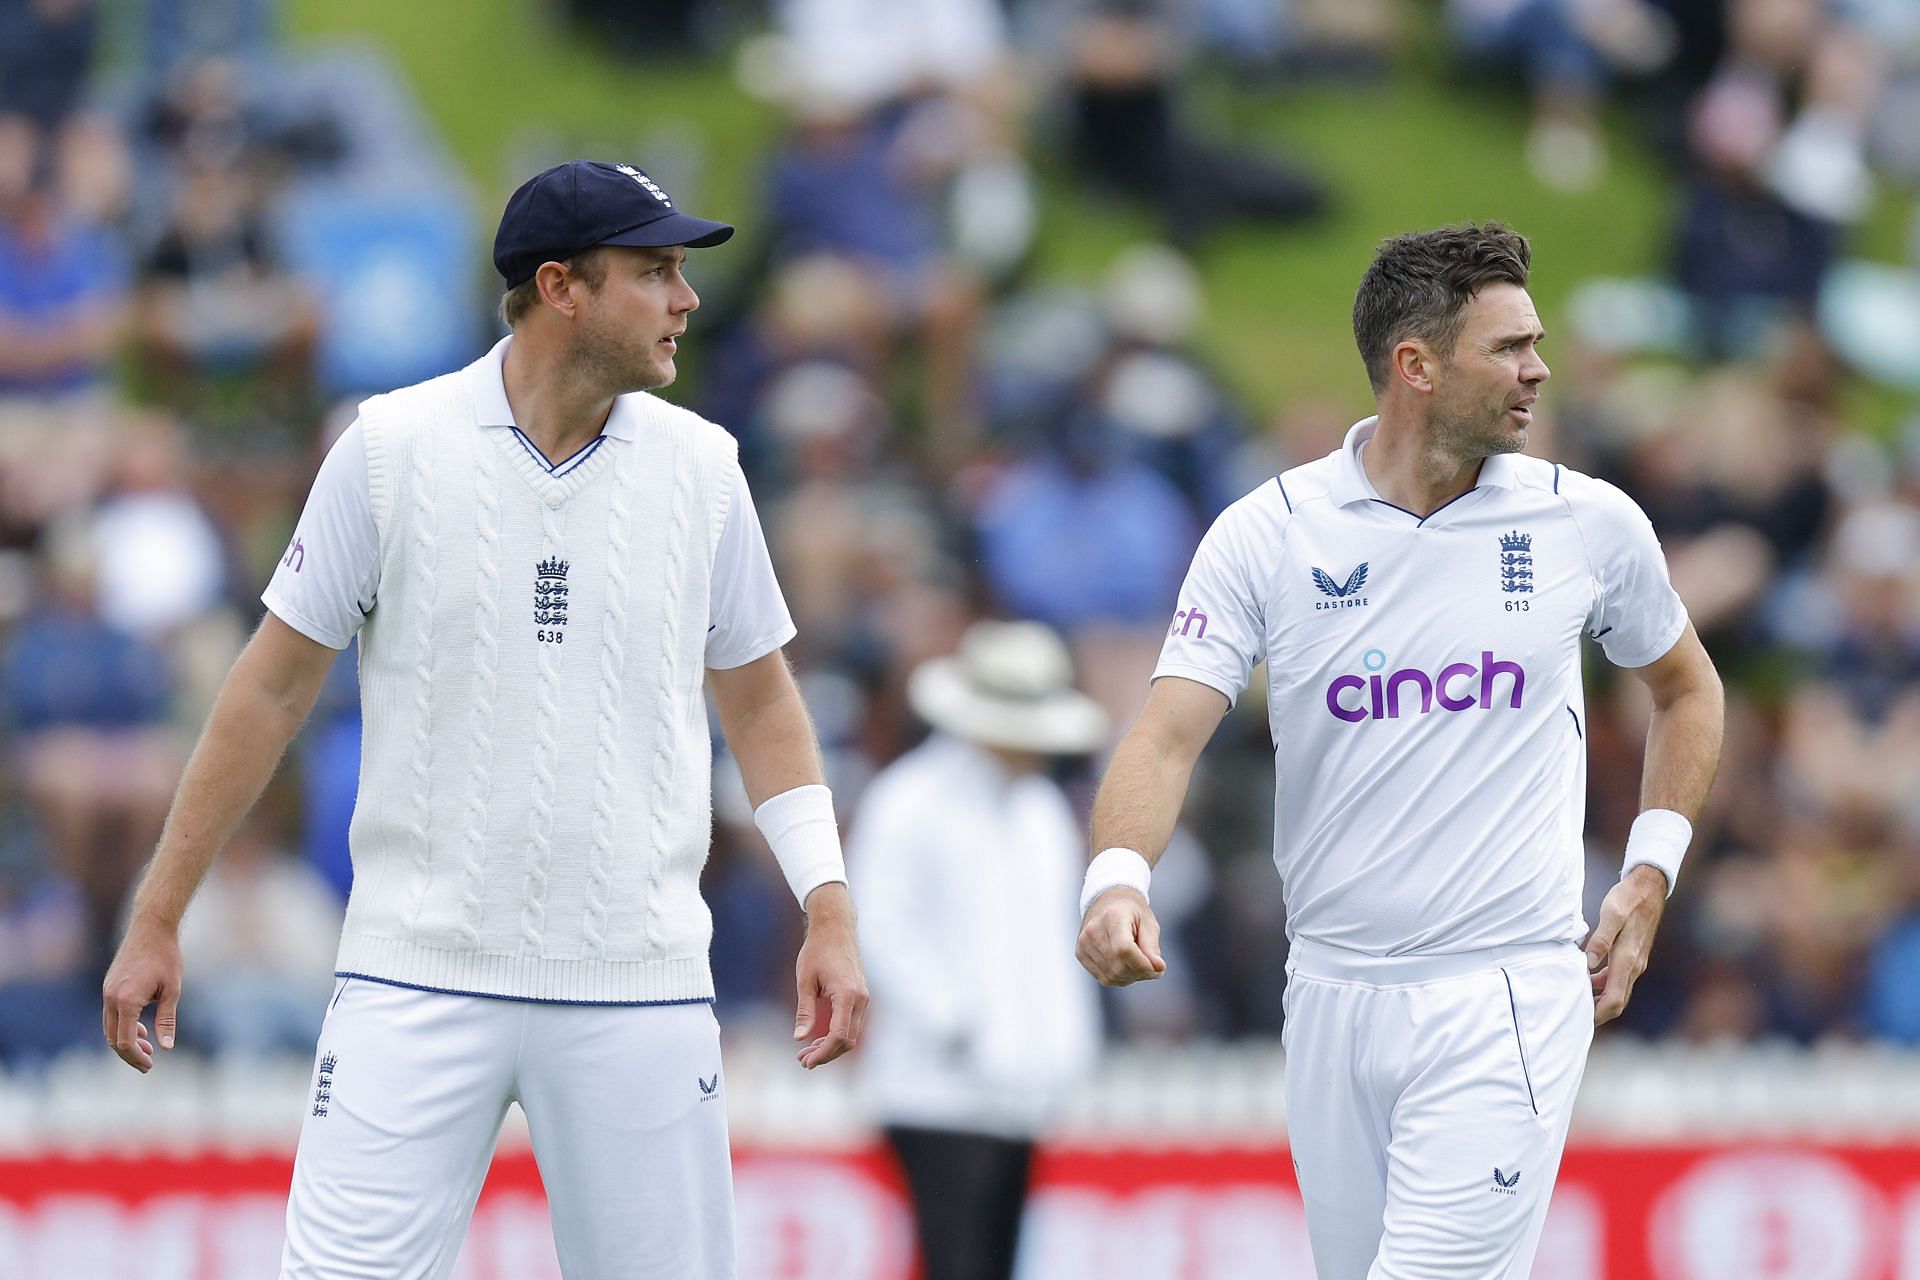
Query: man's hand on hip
column 1120, row 939
column 145, row 971
column 832, row 986
column 1620, row 943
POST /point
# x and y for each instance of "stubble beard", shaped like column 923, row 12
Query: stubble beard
column 607, row 359
column 1469, row 436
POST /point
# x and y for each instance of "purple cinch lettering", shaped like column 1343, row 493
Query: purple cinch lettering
column 1379, row 696
column 1354, row 716
column 1193, row 616
column 1403, row 676
column 1447, row 673
column 1489, row 668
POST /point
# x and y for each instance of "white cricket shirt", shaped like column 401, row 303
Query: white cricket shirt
column 1423, row 688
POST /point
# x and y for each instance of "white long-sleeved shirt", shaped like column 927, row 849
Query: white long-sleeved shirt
column 967, row 879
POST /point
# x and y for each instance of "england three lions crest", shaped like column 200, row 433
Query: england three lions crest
column 550, row 599
column 1516, row 562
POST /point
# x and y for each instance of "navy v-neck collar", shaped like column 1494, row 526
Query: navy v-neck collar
column 557, row 469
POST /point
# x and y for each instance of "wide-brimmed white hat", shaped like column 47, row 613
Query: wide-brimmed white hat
column 1010, row 686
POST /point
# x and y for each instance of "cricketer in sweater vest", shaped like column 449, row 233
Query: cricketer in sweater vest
column 498, row 848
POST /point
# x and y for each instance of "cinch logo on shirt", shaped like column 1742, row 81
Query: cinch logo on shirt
column 1455, row 688
column 1186, row 620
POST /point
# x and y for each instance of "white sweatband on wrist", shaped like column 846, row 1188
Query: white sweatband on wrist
column 1659, row 839
column 804, row 837
column 1114, row 869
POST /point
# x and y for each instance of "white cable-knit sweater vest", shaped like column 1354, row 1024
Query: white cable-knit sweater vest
column 535, row 787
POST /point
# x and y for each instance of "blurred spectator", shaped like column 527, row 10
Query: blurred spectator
column 63, row 290
column 1567, row 50
column 200, row 119
column 46, row 52
column 55, row 455
column 1893, row 28
column 161, row 565
column 902, row 158
column 46, row 125
column 182, row 32
column 216, row 299
column 1770, row 190
column 839, row 191
column 1168, row 408
column 882, row 51
column 88, row 706
column 1130, row 137
column 1890, row 994
column 841, row 188
column 1734, row 481
column 965, row 860
column 1871, row 650
column 1852, row 737
column 861, row 560
column 48, row 979
column 1079, row 536
column 259, row 938
column 815, row 309
column 1827, row 895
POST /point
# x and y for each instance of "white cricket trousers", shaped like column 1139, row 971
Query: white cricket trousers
column 1427, row 1104
column 625, row 1104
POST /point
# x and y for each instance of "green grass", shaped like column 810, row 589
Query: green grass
column 1399, row 156
column 493, row 72
column 1414, row 152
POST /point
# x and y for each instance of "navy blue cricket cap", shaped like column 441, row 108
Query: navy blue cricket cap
column 583, row 204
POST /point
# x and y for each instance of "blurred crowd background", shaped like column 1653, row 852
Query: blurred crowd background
column 972, row 341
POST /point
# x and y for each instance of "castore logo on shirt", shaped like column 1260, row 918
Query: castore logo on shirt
column 1341, row 595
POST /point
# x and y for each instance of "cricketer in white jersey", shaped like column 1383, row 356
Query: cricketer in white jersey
column 1418, row 597
column 548, row 570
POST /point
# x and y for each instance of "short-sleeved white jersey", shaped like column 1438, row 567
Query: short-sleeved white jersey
column 327, row 583
column 1423, row 688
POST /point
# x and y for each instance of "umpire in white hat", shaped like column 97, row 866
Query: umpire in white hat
column 966, row 858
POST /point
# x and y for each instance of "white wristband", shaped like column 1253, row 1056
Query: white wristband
column 804, row 837
column 1658, row 839
column 1114, row 869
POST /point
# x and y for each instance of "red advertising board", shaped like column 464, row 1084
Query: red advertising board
column 1738, row 1212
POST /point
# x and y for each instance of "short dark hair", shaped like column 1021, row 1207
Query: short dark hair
column 1419, row 286
column 589, row 264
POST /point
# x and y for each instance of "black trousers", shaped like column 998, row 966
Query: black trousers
column 968, row 1192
